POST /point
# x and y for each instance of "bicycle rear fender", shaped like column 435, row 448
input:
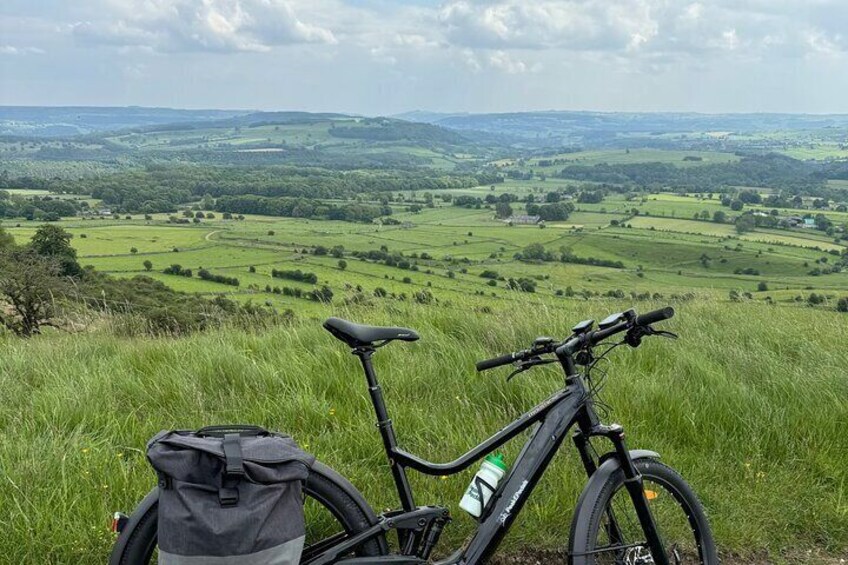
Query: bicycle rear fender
column 609, row 465
column 138, row 513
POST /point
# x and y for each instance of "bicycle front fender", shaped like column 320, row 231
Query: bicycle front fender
column 609, row 465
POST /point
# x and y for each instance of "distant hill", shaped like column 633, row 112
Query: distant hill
column 65, row 121
column 556, row 128
column 121, row 136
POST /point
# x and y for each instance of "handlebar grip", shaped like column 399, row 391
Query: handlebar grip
column 655, row 316
column 496, row 362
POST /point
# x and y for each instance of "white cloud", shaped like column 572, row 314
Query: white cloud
column 546, row 24
column 201, row 25
column 615, row 54
column 12, row 50
column 647, row 30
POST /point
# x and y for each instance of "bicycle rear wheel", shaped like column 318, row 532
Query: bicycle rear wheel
column 333, row 513
column 615, row 537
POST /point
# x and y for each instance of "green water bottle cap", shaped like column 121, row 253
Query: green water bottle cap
column 498, row 461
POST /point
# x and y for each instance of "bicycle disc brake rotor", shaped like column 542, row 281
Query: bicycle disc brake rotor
column 638, row 556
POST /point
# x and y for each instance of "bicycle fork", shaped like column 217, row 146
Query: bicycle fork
column 633, row 484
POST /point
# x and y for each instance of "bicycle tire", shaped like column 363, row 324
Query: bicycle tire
column 584, row 543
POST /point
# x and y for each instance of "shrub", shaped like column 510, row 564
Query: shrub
column 178, row 270
column 208, row 276
column 296, row 275
column 523, row 284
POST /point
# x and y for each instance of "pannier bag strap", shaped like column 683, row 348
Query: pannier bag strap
column 241, row 429
column 233, row 470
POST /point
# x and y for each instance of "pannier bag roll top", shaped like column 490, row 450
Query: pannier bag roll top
column 229, row 495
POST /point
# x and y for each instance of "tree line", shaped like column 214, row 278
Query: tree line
column 300, row 208
column 162, row 188
column 772, row 171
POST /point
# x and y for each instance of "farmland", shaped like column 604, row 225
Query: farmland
column 390, row 222
column 658, row 253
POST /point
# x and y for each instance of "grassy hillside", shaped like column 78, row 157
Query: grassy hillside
column 749, row 404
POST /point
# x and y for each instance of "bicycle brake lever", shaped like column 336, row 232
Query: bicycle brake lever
column 650, row 330
column 634, row 335
column 664, row 333
column 516, row 372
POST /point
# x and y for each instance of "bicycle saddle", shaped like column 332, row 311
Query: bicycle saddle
column 356, row 335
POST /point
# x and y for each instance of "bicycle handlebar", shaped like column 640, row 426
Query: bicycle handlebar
column 576, row 343
column 655, row 316
column 498, row 361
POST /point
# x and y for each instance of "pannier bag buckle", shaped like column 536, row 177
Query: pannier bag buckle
column 228, row 496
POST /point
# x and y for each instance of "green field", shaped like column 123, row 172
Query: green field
column 748, row 404
column 659, row 254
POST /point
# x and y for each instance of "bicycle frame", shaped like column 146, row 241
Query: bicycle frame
column 553, row 418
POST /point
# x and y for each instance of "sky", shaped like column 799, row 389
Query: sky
column 378, row 57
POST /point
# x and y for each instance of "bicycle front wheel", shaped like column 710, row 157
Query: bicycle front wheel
column 615, row 537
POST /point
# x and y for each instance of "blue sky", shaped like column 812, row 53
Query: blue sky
column 382, row 57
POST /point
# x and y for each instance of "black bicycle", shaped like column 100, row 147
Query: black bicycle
column 634, row 510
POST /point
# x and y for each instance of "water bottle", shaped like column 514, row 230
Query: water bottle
column 483, row 485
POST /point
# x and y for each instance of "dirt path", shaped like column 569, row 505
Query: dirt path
column 795, row 558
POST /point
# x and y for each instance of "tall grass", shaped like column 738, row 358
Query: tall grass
column 750, row 405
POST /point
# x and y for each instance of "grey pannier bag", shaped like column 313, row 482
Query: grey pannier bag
column 229, row 494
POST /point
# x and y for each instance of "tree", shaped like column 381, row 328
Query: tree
column 342, row 264
column 842, row 304
column 133, row 250
column 29, row 284
column 736, row 205
column 6, row 239
column 536, row 252
column 54, row 242
column 148, row 265
column 745, row 223
column 762, row 286
column 503, row 210
column 719, row 216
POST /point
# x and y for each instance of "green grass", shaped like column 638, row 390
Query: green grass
column 748, row 405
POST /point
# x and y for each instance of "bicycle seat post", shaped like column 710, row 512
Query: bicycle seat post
column 384, row 424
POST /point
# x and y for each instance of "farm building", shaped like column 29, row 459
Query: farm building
column 524, row 219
